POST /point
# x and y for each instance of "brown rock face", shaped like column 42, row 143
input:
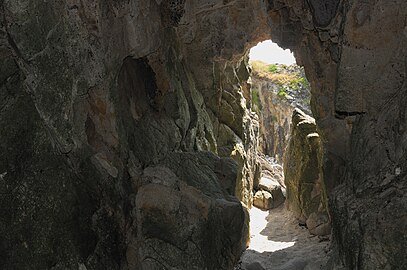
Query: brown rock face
column 306, row 193
column 98, row 99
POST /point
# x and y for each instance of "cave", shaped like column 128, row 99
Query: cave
column 129, row 139
column 290, row 225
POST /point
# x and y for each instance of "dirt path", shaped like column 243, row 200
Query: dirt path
column 279, row 243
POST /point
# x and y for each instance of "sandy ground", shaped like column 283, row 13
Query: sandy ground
column 279, row 243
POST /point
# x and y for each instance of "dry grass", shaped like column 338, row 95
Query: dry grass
column 262, row 70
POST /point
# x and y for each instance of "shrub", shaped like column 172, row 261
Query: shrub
column 297, row 82
column 256, row 103
column 282, row 91
column 273, row 68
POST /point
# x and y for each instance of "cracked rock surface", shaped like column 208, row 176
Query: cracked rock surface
column 121, row 117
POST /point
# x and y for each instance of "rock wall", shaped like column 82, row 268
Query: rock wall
column 110, row 132
column 306, row 192
column 275, row 94
column 93, row 93
column 354, row 54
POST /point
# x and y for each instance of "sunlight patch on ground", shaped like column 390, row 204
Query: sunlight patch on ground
column 259, row 242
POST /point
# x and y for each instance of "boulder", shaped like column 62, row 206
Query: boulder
column 272, row 170
column 318, row 224
column 269, row 198
column 186, row 220
column 274, row 188
column 263, row 200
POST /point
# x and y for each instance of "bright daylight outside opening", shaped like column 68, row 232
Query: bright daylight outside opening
column 269, row 52
column 280, row 237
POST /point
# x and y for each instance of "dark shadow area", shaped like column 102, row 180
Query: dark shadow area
column 137, row 86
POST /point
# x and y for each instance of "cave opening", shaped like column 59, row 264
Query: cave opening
column 279, row 86
column 286, row 198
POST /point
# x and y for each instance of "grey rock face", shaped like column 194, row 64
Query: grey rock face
column 92, row 93
column 275, row 94
column 356, row 97
column 323, row 11
column 95, row 99
column 186, row 221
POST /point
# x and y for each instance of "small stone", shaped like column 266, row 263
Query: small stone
column 263, row 200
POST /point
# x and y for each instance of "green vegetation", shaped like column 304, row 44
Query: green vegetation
column 273, row 68
column 282, row 91
column 288, row 83
column 297, row 82
column 256, row 103
column 288, row 78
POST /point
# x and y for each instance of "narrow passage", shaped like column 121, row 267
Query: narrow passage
column 278, row 242
column 289, row 139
